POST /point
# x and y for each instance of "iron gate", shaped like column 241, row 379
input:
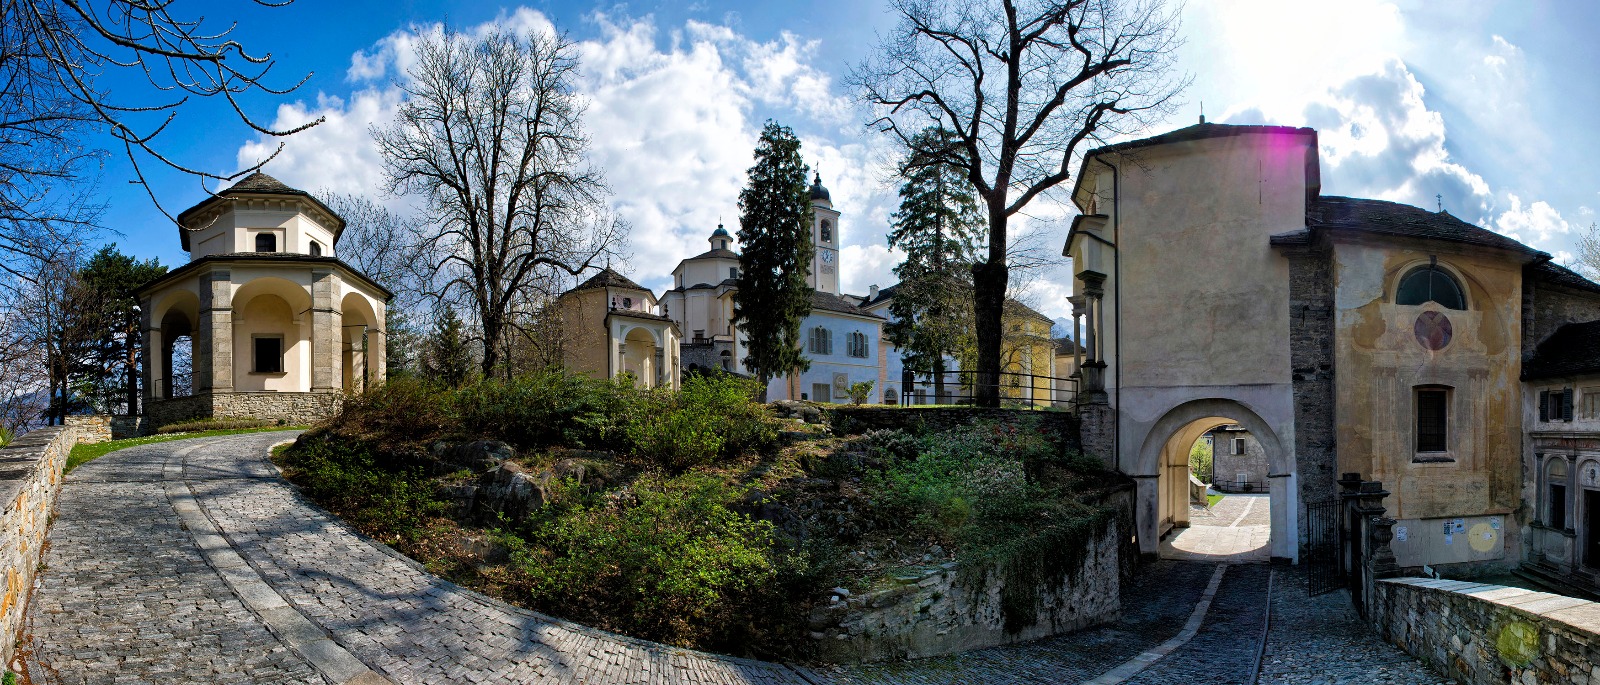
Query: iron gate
column 1324, row 570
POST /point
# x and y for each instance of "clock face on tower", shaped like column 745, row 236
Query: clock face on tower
column 827, row 256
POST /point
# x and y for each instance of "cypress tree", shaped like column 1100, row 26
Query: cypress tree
column 775, row 233
column 939, row 226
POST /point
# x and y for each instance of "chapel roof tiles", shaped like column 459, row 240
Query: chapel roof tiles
column 608, row 278
column 1334, row 213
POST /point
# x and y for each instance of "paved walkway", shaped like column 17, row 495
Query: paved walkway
column 192, row 562
column 1237, row 529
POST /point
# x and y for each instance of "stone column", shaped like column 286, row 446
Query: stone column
column 327, row 333
column 1147, row 513
column 358, row 361
column 213, row 335
column 1094, row 379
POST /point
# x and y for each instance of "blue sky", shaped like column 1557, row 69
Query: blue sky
column 1490, row 105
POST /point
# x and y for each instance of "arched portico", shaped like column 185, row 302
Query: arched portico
column 1161, row 469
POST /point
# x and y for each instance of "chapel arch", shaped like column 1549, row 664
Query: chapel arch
column 640, row 349
column 1162, row 467
column 176, row 317
column 271, row 336
column 358, row 320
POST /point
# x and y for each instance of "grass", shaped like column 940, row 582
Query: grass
column 1211, row 500
column 83, row 454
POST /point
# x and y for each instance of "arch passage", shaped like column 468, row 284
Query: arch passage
column 1161, row 467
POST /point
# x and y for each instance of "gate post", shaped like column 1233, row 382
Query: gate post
column 1369, row 507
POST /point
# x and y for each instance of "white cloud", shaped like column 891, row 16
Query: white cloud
column 872, row 265
column 1536, row 224
column 335, row 155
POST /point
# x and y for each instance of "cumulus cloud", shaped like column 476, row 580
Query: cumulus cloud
column 1535, row 224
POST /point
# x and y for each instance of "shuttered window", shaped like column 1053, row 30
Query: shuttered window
column 1432, row 410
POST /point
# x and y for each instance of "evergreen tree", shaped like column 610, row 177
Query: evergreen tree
column 448, row 360
column 939, row 226
column 775, row 231
column 112, row 312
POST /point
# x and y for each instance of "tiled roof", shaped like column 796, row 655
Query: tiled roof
column 1392, row 218
column 295, row 257
column 258, row 183
column 1573, row 350
column 636, row 314
column 1551, row 272
column 718, row 253
column 1067, row 346
column 607, row 278
column 833, row 303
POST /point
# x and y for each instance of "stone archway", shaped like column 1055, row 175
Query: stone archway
column 1161, row 467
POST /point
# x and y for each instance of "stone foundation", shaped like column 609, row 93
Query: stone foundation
column 290, row 407
column 1482, row 634
column 927, row 611
column 92, row 427
column 30, row 477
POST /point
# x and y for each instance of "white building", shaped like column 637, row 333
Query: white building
column 842, row 341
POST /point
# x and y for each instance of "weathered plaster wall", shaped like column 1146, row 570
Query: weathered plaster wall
column 920, row 612
column 1489, row 634
column 29, row 483
column 1381, row 361
column 1227, row 465
column 584, row 348
column 1220, row 332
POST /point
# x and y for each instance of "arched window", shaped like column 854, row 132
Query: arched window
column 1555, row 513
column 827, row 231
column 1430, row 284
column 858, row 344
column 316, row 249
column 266, row 242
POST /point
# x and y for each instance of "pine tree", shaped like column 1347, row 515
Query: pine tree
column 112, row 367
column 775, row 231
column 448, row 361
column 939, row 226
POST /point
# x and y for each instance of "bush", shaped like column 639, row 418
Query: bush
column 403, row 410
column 547, row 408
column 713, row 417
column 213, row 424
column 384, row 497
column 666, row 560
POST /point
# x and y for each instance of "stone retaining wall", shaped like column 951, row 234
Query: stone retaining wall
column 1481, row 634
column 92, row 427
column 30, row 477
column 926, row 611
column 290, row 407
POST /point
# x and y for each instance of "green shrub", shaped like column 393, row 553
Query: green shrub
column 860, row 392
column 384, row 497
column 711, row 418
column 546, row 408
column 668, row 560
column 402, row 410
column 215, row 424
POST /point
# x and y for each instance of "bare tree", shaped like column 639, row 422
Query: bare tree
column 56, row 59
column 383, row 244
column 1589, row 251
column 490, row 138
column 1022, row 84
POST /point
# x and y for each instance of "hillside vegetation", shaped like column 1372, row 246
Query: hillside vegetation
column 691, row 517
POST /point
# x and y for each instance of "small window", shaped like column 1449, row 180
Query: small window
column 268, row 354
column 627, row 303
column 1238, row 445
column 1430, row 284
column 1432, row 411
column 821, row 341
column 1591, row 402
column 733, row 272
column 1556, row 487
column 821, row 392
column 858, row 345
column 1556, row 405
column 266, row 242
column 316, row 249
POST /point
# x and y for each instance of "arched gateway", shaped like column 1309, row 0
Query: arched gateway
column 1161, row 468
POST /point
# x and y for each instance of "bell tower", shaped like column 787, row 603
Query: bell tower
column 824, row 275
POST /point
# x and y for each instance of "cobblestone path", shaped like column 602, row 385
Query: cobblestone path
column 192, row 562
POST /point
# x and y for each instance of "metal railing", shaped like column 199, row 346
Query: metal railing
column 1015, row 390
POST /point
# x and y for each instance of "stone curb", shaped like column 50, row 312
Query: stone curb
column 315, row 645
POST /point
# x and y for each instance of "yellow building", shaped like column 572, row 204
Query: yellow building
column 613, row 326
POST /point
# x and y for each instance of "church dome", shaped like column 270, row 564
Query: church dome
column 720, row 232
column 818, row 192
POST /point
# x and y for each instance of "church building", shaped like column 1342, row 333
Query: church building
column 264, row 321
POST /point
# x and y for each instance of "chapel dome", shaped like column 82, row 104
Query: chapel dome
column 818, row 192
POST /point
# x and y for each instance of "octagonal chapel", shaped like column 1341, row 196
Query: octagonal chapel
column 265, row 321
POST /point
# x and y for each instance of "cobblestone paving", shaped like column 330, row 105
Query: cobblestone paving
column 128, row 598
column 1237, row 529
column 1322, row 641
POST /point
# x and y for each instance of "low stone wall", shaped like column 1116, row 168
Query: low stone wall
column 92, row 427
column 1481, row 634
column 289, row 407
column 849, row 420
column 30, row 477
column 927, row 611
column 124, row 427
